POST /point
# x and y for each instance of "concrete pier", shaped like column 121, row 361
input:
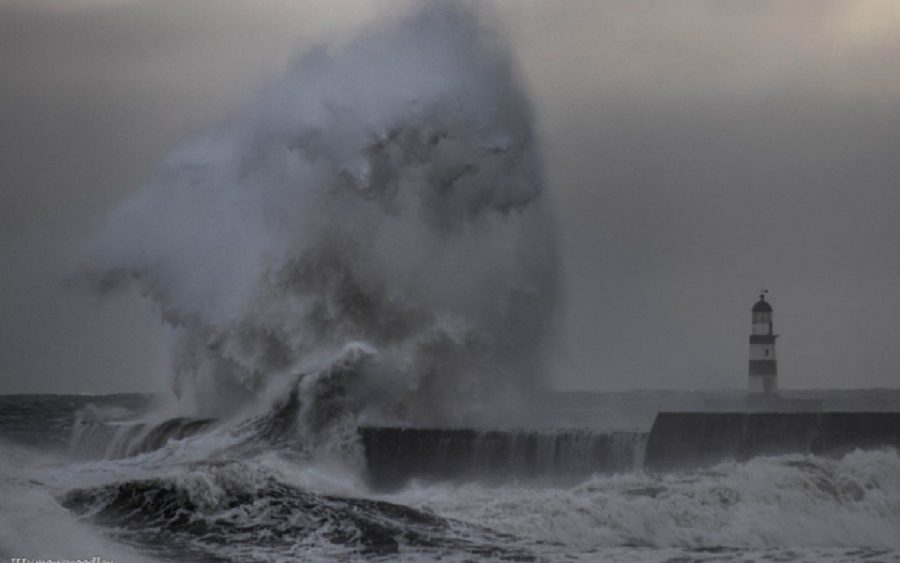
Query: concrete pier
column 396, row 455
column 683, row 440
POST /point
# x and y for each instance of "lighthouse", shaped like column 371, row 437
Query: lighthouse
column 763, row 367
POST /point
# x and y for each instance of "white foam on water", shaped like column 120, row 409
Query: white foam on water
column 792, row 501
column 32, row 522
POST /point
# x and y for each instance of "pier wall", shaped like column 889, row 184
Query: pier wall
column 695, row 439
column 395, row 455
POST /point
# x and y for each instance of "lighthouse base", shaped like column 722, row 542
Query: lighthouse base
column 764, row 384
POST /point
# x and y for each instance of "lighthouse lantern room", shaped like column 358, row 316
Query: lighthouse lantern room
column 763, row 366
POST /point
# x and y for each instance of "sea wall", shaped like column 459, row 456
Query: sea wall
column 695, row 439
column 678, row 440
column 395, row 455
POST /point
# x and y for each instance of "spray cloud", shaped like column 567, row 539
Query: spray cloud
column 378, row 209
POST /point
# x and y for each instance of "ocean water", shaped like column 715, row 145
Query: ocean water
column 253, row 489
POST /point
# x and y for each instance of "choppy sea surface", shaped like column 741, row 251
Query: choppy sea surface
column 146, row 488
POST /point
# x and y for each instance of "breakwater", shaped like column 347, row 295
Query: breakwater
column 395, row 455
column 695, row 439
column 678, row 440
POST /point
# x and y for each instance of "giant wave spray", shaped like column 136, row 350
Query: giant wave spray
column 380, row 208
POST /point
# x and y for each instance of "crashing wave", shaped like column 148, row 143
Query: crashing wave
column 388, row 193
column 204, row 514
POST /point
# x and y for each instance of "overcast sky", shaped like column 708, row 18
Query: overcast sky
column 696, row 152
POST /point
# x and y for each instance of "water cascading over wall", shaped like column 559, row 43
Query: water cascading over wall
column 396, row 455
column 677, row 441
column 110, row 440
column 393, row 455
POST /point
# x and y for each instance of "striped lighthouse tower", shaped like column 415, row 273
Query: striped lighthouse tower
column 763, row 367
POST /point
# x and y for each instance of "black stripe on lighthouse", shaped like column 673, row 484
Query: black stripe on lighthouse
column 763, row 367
